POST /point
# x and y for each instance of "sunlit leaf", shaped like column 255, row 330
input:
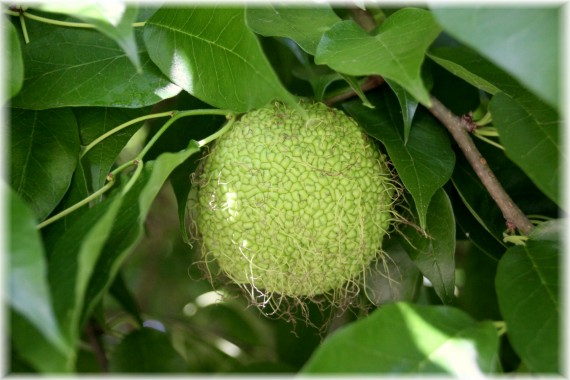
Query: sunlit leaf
column 402, row 338
column 44, row 147
column 213, row 55
column 524, row 41
column 396, row 52
column 528, row 286
column 29, row 292
column 14, row 69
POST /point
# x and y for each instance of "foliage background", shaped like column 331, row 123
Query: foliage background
column 111, row 286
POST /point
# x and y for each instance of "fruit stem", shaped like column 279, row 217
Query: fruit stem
column 87, row 148
column 175, row 116
column 77, row 205
column 231, row 118
column 138, row 160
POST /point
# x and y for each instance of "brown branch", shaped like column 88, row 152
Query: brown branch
column 459, row 129
column 93, row 332
column 371, row 82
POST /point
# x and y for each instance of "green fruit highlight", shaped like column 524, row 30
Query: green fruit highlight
column 294, row 206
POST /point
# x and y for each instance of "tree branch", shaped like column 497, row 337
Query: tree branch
column 372, row 81
column 459, row 128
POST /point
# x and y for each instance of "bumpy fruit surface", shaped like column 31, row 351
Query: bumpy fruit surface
column 294, row 206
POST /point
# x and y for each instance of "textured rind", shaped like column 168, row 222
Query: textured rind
column 292, row 206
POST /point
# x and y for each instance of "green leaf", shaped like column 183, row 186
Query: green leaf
column 31, row 345
column 120, row 291
column 475, row 70
column 129, row 228
column 14, row 71
column 403, row 338
column 76, row 67
column 29, row 292
column 393, row 278
column 146, row 351
column 93, row 122
column 408, row 104
column 213, row 55
column 425, row 163
column 477, row 199
column 524, row 41
column 87, row 257
column 530, row 138
column 396, row 52
column 318, row 76
column 434, row 254
column 44, row 146
column 305, row 26
column 115, row 20
column 527, row 288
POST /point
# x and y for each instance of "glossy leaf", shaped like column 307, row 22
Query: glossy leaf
column 396, row 52
column 212, row 54
column 14, row 69
column 528, row 286
column 402, row 338
column 434, row 254
column 304, row 25
column 146, row 351
column 44, row 146
column 425, row 163
column 530, row 138
column 93, row 122
column 29, row 292
column 516, row 39
column 76, row 67
column 115, row 20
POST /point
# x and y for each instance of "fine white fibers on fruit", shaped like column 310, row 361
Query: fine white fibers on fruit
column 292, row 206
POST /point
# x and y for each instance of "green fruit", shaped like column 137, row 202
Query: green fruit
column 293, row 206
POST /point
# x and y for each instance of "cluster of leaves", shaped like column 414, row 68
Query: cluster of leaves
column 106, row 287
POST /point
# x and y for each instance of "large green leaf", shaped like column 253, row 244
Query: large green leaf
column 396, row 52
column 76, row 67
column 528, row 286
column 115, row 20
column 213, row 55
column 29, row 292
column 304, row 25
column 434, row 254
column 402, row 338
column 425, row 163
column 530, row 137
column 524, row 41
column 44, row 146
column 146, row 351
column 14, row 71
